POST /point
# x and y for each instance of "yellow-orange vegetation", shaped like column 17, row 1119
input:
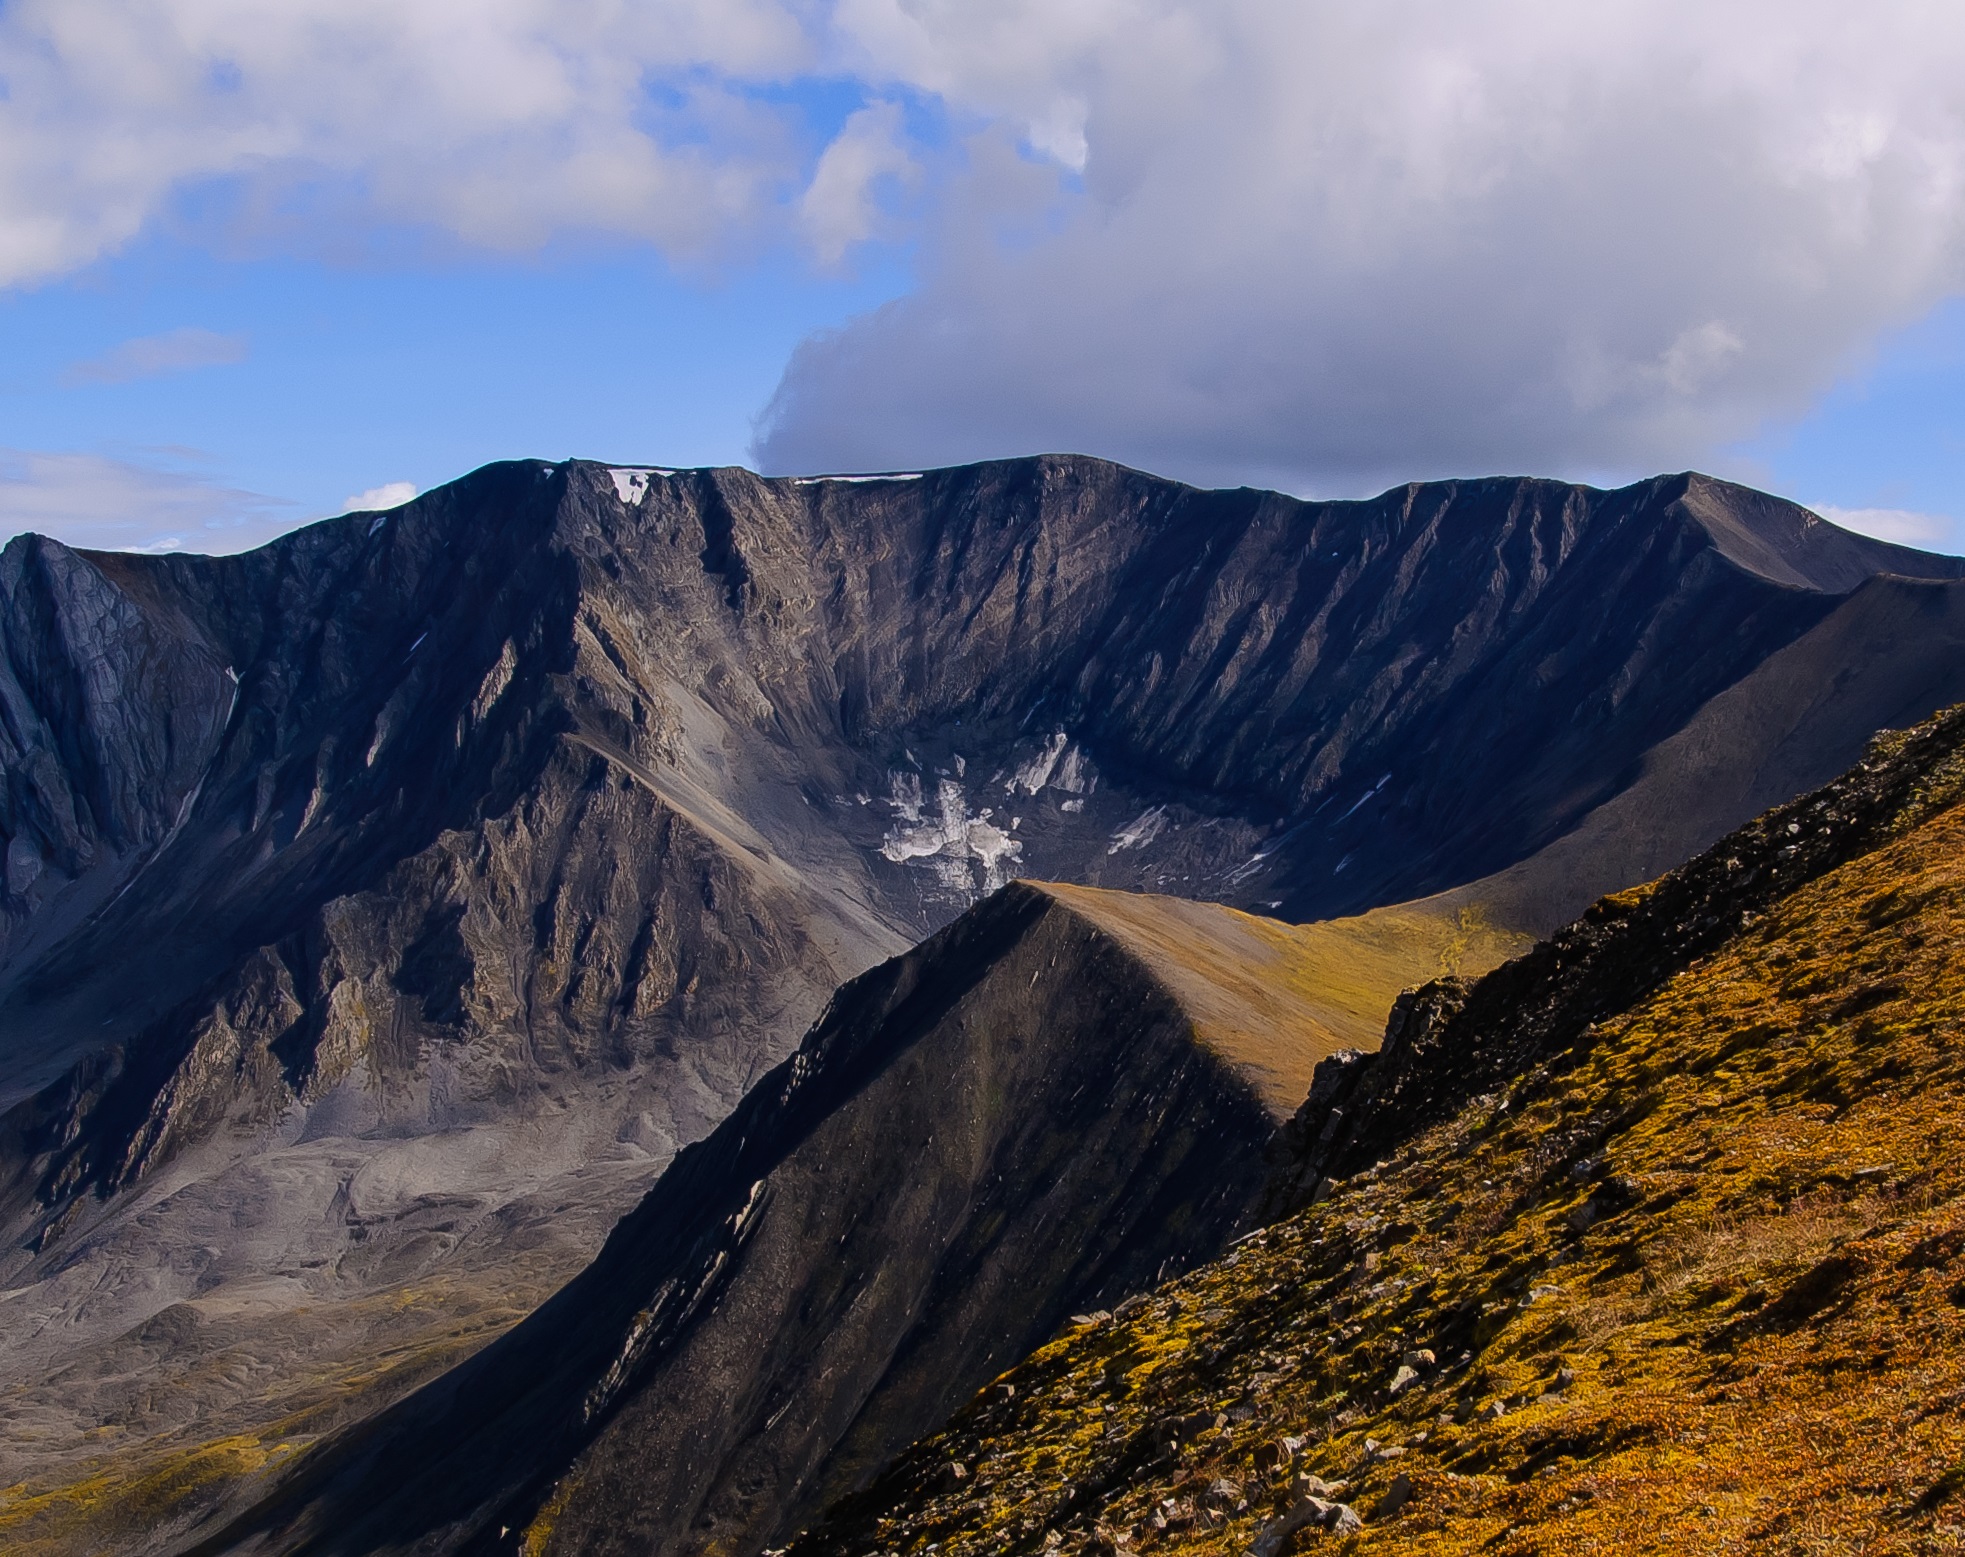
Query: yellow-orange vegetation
column 1274, row 998
column 1702, row 1290
column 1271, row 998
column 140, row 1485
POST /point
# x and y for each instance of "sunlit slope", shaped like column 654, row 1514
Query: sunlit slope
column 1272, row 998
column 1695, row 1282
column 387, row 905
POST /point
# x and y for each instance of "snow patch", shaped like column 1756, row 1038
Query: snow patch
column 1074, row 775
column 1057, row 765
column 1254, row 863
column 631, row 481
column 1141, row 831
column 885, row 475
column 992, row 849
column 904, row 795
column 967, row 854
column 1036, row 773
column 1368, row 794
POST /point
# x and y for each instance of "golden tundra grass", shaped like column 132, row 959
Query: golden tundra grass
column 1275, row 998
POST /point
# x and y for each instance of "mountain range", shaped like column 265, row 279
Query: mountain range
column 387, row 908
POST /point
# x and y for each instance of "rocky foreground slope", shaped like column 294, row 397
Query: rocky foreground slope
column 383, row 908
column 1685, row 1273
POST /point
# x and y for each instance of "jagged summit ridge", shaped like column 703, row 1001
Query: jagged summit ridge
column 1297, row 697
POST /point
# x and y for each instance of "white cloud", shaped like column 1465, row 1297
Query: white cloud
column 1333, row 246
column 1302, row 241
column 1893, row 524
column 175, row 351
column 841, row 206
column 391, row 494
column 501, row 122
column 151, row 504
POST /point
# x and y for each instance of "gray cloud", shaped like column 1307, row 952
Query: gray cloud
column 1332, row 248
column 1307, row 242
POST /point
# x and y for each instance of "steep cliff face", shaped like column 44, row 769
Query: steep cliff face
column 1650, row 1241
column 109, row 709
column 1020, row 1118
column 401, row 895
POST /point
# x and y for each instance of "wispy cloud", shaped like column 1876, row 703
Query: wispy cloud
column 148, row 356
column 155, row 503
column 841, row 206
column 1901, row 525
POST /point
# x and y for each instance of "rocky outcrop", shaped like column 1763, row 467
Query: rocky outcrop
column 111, row 705
column 869, row 683
column 1616, row 1303
column 1453, row 1040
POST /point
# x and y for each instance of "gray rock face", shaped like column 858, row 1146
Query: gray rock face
column 384, row 907
column 109, row 708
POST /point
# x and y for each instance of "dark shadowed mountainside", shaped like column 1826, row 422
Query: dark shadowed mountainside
column 1020, row 1118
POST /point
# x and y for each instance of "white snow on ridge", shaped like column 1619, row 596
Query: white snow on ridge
column 888, row 475
column 631, row 481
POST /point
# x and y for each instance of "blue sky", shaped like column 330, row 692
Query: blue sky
column 256, row 262
column 1888, row 436
column 347, row 378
